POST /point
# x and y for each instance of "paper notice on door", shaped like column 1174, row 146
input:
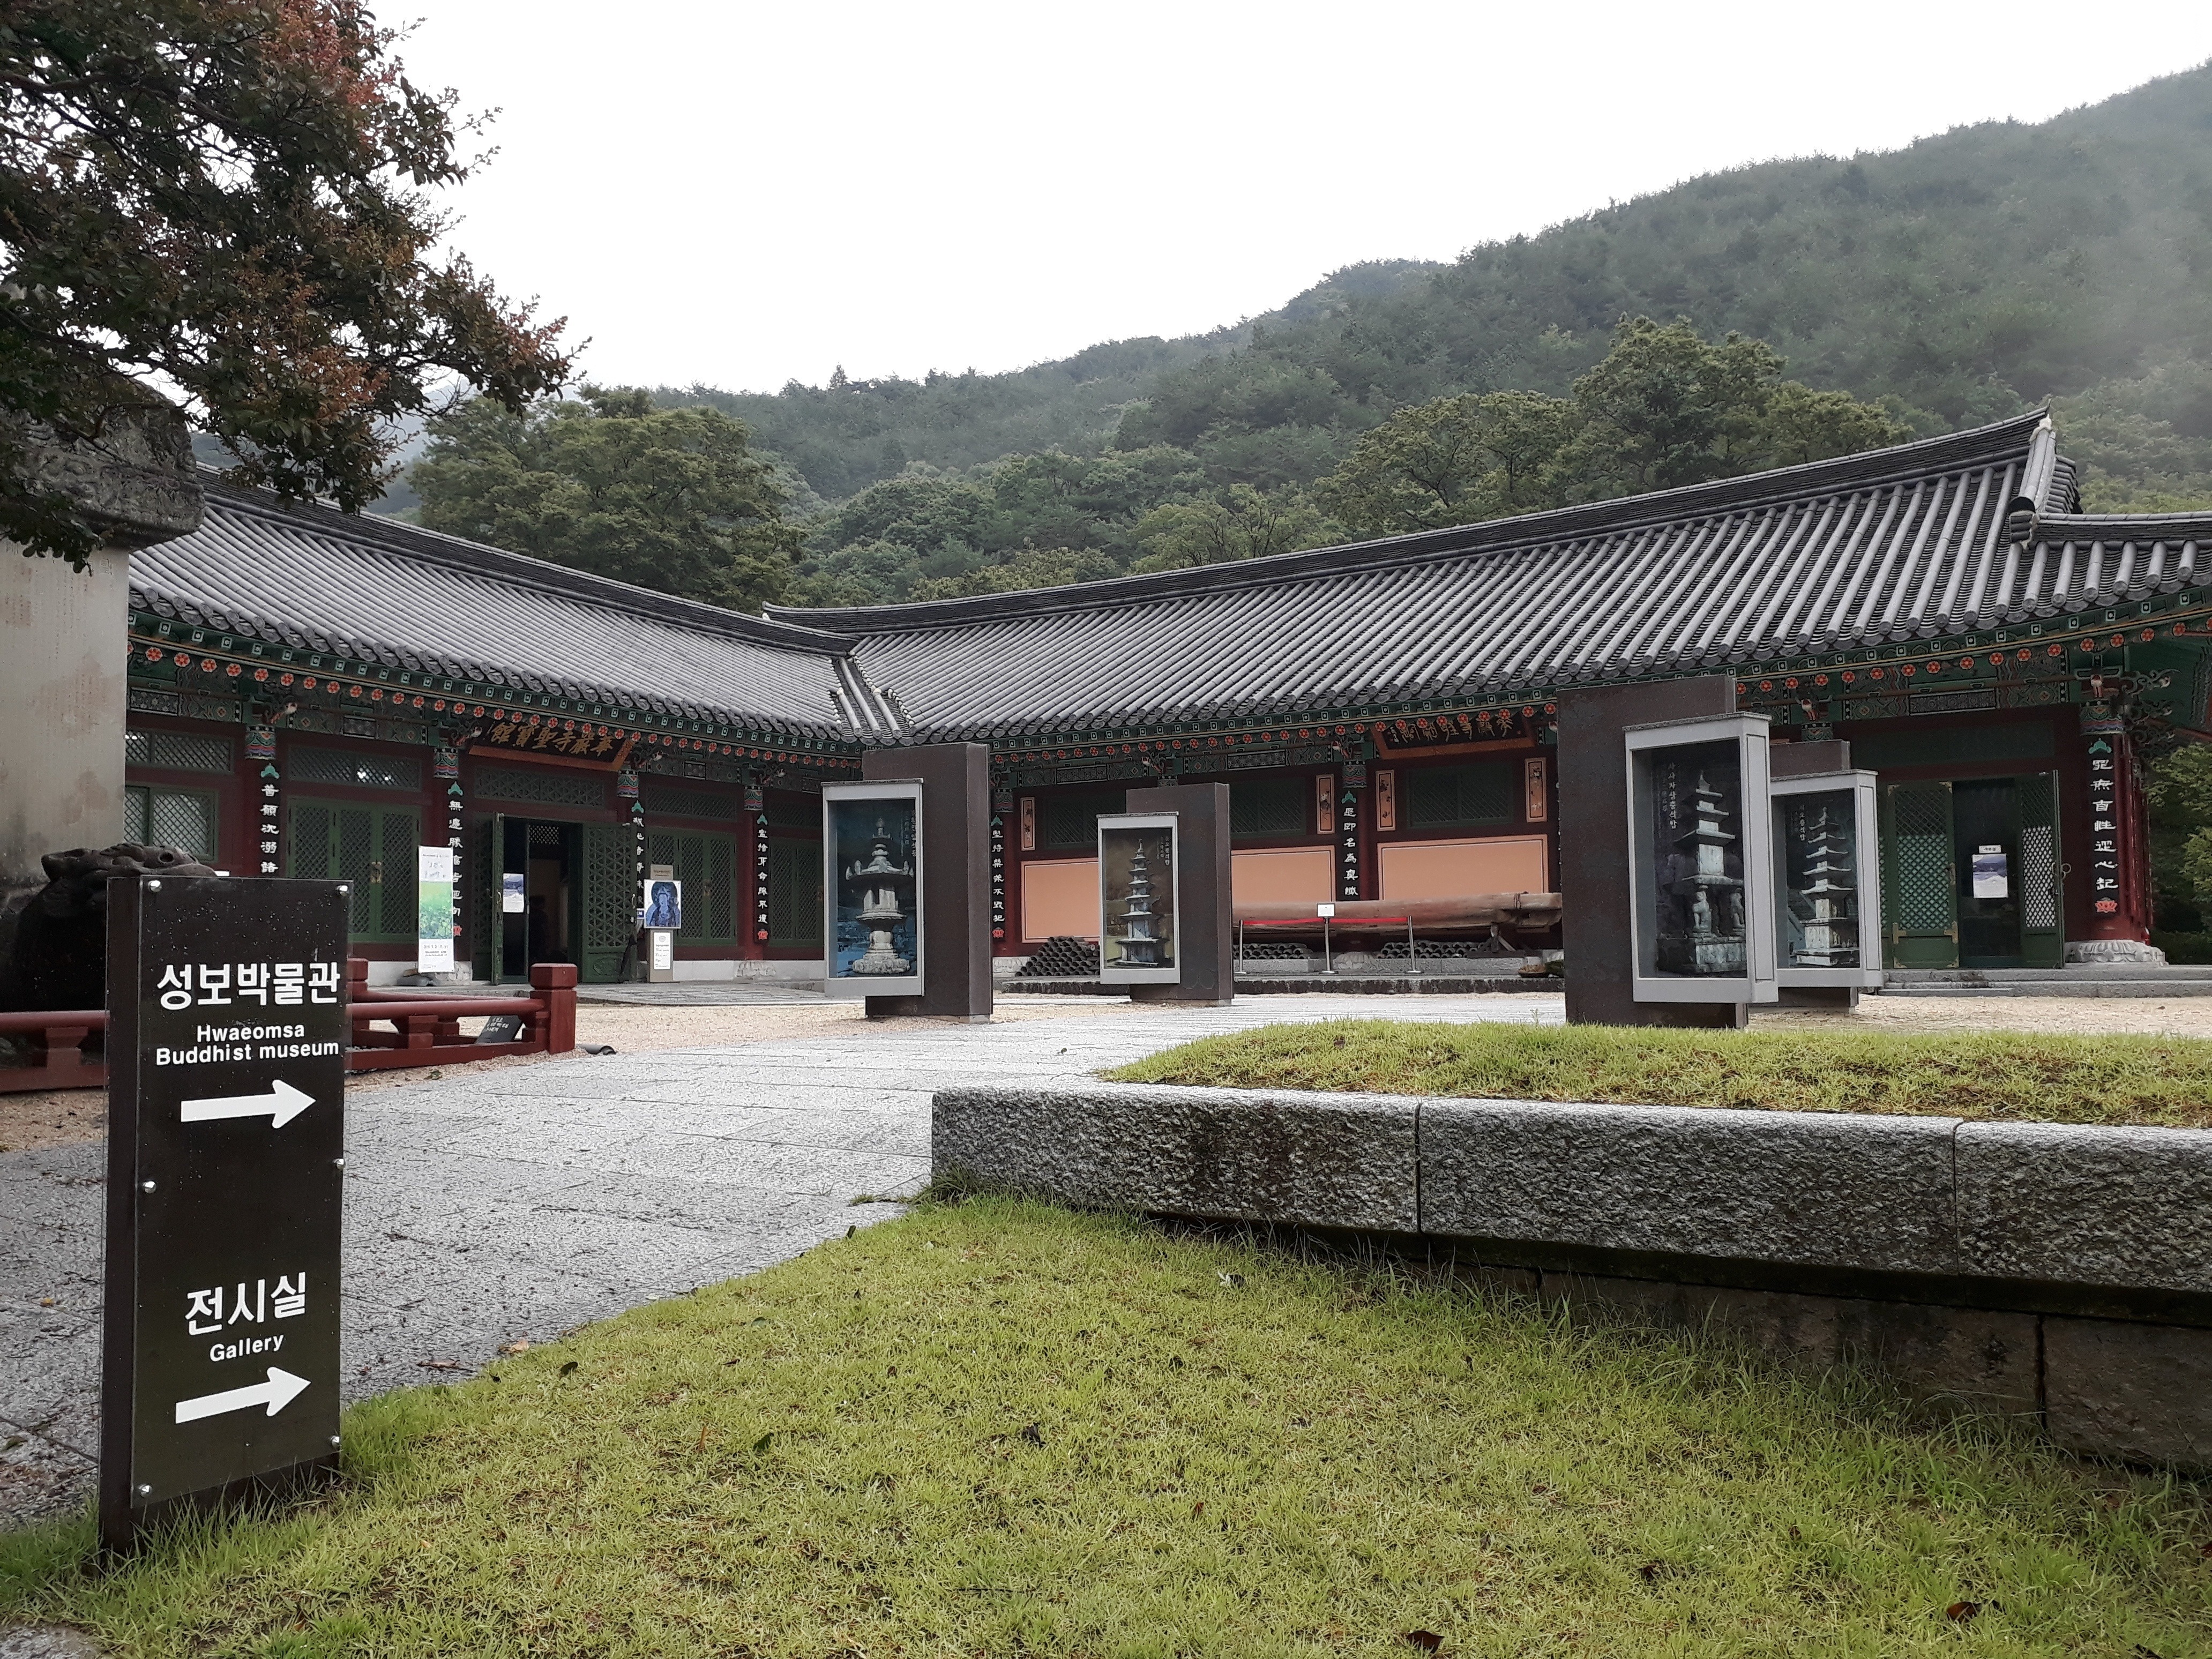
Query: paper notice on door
column 1992, row 874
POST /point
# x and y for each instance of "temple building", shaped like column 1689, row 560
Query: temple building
column 317, row 695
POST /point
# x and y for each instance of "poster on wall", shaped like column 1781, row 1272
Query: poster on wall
column 872, row 857
column 664, row 904
column 433, row 910
column 1140, row 939
column 1702, row 905
column 511, row 900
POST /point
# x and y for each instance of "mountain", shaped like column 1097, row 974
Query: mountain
column 1962, row 278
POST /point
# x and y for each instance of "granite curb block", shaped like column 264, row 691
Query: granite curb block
column 2082, row 1203
column 1959, row 1258
column 1307, row 1160
column 1828, row 1190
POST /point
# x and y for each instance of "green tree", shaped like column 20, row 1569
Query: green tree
column 670, row 499
column 226, row 198
column 1663, row 409
column 2180, row 825
column 1239, row 523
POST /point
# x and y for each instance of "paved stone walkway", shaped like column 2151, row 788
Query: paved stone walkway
column 524, row 1202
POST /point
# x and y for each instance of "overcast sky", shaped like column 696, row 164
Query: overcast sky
column 740, row 193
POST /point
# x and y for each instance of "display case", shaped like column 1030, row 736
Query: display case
column 1701, row 911
column 1827, row 908
column 1140, row 935
column 871, row 855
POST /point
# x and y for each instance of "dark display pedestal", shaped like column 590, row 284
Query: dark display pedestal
column 1594, row 885
column 956, row 877
column 1209, row 939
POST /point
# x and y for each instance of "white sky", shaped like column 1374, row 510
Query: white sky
column 742, row 192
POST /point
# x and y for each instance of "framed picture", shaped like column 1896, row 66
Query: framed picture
column 1827, row 911
column 1701, row 891
column 872, row 857
column 664, row 903
column 1140, row 932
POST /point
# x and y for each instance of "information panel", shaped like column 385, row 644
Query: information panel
column 871, row 888
column 1140, row 940
column 226, row 1150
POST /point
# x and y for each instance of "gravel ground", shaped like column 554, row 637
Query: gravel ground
column 67, row 1117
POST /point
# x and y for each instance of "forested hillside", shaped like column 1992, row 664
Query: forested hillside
column 1952, row 283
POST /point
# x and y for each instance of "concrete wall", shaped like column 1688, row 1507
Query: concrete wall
column 2052, row 1269
column 64, row 634
column 62, row 641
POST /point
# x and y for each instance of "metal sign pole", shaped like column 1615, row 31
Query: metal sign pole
column 226, row 1148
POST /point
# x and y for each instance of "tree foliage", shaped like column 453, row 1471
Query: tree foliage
column 1663, row 409
column 670, row 499
column 226, row 198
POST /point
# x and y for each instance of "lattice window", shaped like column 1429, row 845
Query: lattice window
column 182, row 818
column 794, row 894
column 547, row 787
column 1450, row 796
column 353, row 767
column 666, row 800
column 1267, row 806
column 177, row 751
column 1072, row 821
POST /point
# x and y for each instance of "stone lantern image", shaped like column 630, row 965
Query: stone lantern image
column 881, row 886
column 1701, row 913
column 1140, row 947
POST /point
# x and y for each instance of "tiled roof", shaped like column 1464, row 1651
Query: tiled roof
column 377, row 590
column 1926, row 540
column 1915, row 542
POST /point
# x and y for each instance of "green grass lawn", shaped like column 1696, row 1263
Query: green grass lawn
column 995, row 1428
column 1996, row 1074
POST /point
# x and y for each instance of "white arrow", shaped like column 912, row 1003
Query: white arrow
column 279, row 1392
column 280, row 1106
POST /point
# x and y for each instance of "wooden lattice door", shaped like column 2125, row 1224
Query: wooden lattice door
column 610, row 901
column 1920, row 906
column 2042, row 912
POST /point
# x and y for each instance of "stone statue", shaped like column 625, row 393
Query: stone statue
column 60, row 954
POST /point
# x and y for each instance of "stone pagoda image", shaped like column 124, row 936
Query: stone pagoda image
column 1140, row 947
column 1826, row 901
column 877, row 885
column 1701, row 920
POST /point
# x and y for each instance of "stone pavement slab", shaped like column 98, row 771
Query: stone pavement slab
column 489, row 1207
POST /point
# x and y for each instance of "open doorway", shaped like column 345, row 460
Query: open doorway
column 541, row 860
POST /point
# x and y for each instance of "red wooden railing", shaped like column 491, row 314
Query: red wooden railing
column 391, row 1029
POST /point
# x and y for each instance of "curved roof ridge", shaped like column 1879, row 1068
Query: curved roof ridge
column 1999, row 441
column 2057, row 526
column 397, row 537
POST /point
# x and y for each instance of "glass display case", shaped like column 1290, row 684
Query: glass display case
column 1140, row 939
column 872, row 856
column 1827, row 911
column 1701, row 912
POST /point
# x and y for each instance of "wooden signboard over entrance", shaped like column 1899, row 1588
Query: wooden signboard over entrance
column 226, row 1148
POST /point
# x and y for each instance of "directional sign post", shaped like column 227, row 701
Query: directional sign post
column 226, row 1152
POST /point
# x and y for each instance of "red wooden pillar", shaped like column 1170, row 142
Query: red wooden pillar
column 556, row 982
